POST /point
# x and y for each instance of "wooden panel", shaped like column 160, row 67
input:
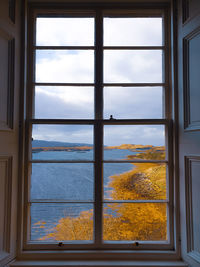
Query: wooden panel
column 185, row 10
column 191, row 83
column 192, row 182
column 7, row 54
column 12, row 4
column 5, row 203
column 10, row 21
column 190, row 9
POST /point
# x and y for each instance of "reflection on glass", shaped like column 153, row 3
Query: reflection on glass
column 62, row 181
column 62, row 142
column 127, row 142
column 61, row 222
column 133, row 102
column 133, row 31
column 65, row 31
column 58, row 66
column 133, row 181
column 68, row 102
column 138, row 66
column 135, row 221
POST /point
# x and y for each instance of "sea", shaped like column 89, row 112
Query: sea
column 68, row 181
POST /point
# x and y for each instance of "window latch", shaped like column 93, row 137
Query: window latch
column 111, row 118
column 136, row 244
column 60, row 244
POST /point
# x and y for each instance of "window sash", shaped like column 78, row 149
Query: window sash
column 98, row 123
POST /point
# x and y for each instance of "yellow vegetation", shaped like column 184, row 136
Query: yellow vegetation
column 127, row 221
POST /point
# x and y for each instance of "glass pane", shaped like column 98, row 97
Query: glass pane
column 141, row 66
column 133, row 31
column 129, row 142
column 61, row 222
column 62, row 142
column 65, row 31
column 132, row 181
column 62, row 181
column 58, row 66
column 133, row 102
column 135, row 221
column 68, row 102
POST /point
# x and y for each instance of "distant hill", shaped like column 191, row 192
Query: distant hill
column 42, row 143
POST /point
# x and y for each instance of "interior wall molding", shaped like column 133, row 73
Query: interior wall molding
column 7, row 80
column 185, row 10
column 11, row 79
column 189, row 160
column 12, row 5
column 189, row 124
column 6, row 164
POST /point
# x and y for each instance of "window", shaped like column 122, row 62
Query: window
column 99, row 154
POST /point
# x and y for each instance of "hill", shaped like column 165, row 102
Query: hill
column 43, row 143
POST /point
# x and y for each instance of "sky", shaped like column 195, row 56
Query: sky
column 77, row 66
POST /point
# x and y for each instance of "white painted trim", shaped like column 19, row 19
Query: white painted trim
column 99, row 264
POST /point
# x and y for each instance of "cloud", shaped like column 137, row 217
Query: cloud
column 133, row 102
column 65, row 31
column 140, row 66
column 117, row 31
column 119, row 66
column 63, row 102
column 64, row 66
column 133, row 31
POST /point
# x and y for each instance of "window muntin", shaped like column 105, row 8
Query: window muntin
column 99, row 218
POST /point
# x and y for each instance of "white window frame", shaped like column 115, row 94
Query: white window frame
column 155, row 9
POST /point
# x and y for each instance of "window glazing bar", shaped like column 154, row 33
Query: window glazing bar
column 59, row 201
column 64, row 47
column 134, row 47
column 106, row 122
column 136, row 161
column 63, row 84
column 104, row 161
column 60, row 121
column 104, row 84
column 138, row 201
column 135, row 121
column 105, row 201
column 60, row 161
column 98, row 129
column 133, row 84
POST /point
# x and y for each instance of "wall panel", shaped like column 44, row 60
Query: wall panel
column 5, row 203
column 191, row 80
column 190, row 9
column 10, row 16
column 192, row 171
column 7, row 48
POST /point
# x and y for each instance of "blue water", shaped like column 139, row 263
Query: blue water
column 68, row 181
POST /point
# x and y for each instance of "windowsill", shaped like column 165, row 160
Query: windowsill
column 99, row 263
column 111, row 255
